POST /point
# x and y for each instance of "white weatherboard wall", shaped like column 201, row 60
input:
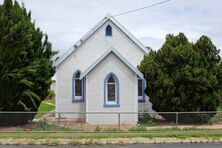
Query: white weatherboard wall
column 127, row 92
column 84, row 56
column 64, row 95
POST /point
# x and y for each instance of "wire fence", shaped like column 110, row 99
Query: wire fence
column 107, row 121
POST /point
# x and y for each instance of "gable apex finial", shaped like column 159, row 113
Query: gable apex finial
column 108, row 15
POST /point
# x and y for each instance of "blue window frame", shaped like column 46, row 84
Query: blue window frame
column 111, row 91
column 77, row 87
column 141, row 88
column 108, row 30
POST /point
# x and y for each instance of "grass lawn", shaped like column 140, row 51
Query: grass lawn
column 45, row 106
column 50, row 101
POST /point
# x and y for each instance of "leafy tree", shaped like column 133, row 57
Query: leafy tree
column 182, row 76
column 25, row 65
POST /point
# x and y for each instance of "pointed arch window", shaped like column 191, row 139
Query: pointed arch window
column 108, row 30
column 111, row 91
column 77, row 87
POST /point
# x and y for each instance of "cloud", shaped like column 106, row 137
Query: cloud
column 66, row 21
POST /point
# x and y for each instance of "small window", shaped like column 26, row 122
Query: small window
column 111, row 89
column 78, row 85
column 108, row 30
column 140, row 87
column 141, row 95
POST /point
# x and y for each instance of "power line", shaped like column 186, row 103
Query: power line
column 142, row 8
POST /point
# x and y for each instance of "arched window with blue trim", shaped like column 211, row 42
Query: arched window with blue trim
column 77, row 87
column 111, row 91
column 108, row 30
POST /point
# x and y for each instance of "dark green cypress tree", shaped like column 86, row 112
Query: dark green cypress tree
column 25, row 63
column 182, row 76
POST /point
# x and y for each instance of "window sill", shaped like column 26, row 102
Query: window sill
column 111, row 105
column 77, row 100
column 141, row 100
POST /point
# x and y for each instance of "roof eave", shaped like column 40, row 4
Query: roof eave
column 91, row 31
column 92, row 66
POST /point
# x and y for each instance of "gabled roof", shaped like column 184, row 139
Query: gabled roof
column 93, row 65
column 92, row 31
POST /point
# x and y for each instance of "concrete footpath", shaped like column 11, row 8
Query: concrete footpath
column 108, row 141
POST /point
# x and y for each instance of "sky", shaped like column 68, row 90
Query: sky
column 66, row 21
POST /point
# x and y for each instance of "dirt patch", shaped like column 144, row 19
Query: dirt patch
column 49, row 123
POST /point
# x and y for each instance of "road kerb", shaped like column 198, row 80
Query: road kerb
column 108, row 141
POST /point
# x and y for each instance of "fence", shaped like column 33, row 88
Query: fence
column 106, row 121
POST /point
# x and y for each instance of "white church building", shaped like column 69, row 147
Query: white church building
column 99, row 76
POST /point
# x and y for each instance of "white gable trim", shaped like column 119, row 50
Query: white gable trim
column 93, row 65
column 134, row 39
column 92, row 31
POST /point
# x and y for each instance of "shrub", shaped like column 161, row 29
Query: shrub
column 145, row 118
column 25, row 64
column 97, row 129
column 184, row 76
column 51, row 94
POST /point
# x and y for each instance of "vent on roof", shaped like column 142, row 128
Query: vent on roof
column 56, row 58
column 75, row 46
column 148, row 47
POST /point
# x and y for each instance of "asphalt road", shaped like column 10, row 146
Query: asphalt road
column 121, row 146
